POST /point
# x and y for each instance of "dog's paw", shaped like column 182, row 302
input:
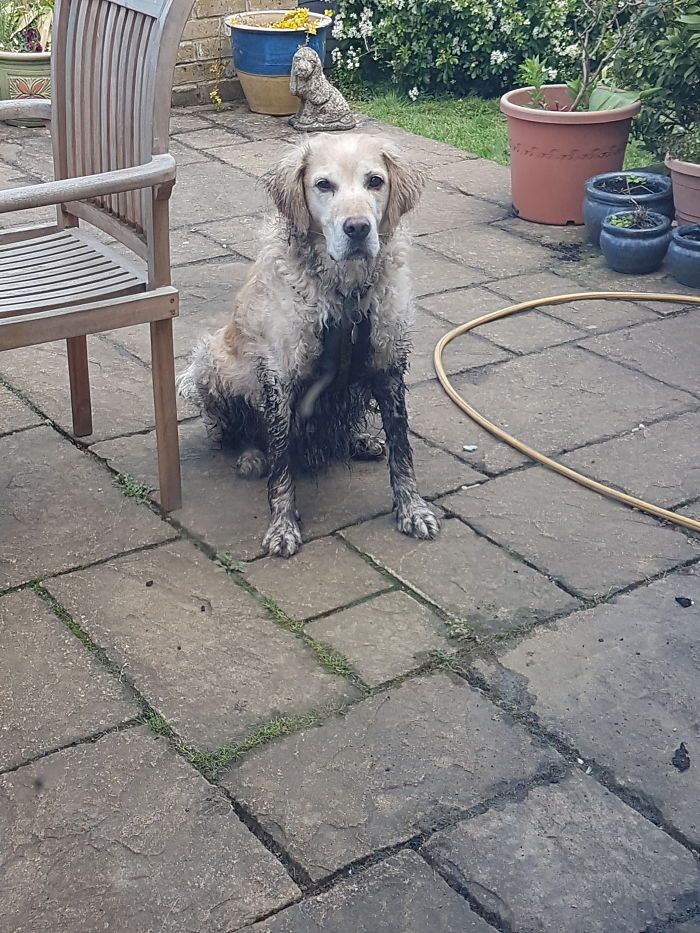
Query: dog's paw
column 283, row 538
column 367, row 447
column 252, row 464
column 417, row 519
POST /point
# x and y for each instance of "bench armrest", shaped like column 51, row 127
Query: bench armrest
column 33, row 108
column 159, row 171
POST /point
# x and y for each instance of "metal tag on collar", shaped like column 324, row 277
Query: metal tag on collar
column 356, row 316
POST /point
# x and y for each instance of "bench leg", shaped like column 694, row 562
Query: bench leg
column 163, row 362
column 79, row 378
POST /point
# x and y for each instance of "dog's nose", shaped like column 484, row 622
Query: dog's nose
column 356, row 228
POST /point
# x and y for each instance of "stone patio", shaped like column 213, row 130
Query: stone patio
column 489, row 731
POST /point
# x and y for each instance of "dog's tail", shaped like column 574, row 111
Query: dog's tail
column 196, row 380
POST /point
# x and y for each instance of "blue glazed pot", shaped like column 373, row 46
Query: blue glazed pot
column 683, row 258
column 598, row 204
column 262, row 57
column 635, row 252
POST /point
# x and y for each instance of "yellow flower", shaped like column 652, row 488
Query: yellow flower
column 328, row 12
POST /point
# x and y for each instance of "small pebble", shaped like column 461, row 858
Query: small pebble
column 470, row 448
column 684, row 602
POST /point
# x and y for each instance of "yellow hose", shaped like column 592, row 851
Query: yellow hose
column 530, row 452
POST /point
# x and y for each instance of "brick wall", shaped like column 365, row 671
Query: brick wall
column 203, row 42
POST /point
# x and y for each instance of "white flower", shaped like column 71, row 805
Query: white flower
column 366, row 27
column 498, row 57
column 413, row 93
column 571, row 51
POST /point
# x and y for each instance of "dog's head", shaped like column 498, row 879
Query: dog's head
column 352, row 188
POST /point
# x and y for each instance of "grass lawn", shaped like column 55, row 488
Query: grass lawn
column 469, row 123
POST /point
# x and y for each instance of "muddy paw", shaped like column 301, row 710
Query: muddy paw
column 283, row 538
column 252, row 464
column 417, row 520
column 367, row 447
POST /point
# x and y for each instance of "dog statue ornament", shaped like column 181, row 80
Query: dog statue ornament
column 323, row 107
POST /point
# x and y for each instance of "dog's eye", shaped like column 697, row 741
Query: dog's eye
column 375, row 181
column 324, row 185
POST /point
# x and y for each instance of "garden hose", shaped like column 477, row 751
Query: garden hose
column 525, row 449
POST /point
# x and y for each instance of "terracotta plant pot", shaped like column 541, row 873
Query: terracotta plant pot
column 685, row 177
column 25, row 75
column 553, row 152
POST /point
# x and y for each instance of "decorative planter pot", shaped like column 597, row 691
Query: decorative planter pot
column 262, row 57
column 635, row 251
column 24, row 75
column 686, row 190
column 683, row 258
column 554, row 152
column 599, row 203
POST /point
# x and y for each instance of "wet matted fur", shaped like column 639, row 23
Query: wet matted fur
column 320, row 331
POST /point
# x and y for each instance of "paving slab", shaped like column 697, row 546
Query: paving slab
column 60, row 509
column 619, row 682
column 591, row 544
column 122, row 834
column 479, row 177
column 494, row 251
column 528, row 332
column 462, row 304
column 658, row 462
column 183, row 121
column 571, row 856
column 595, row 273
column 322, row 576
column 428, row 152
column 187, row 246
column 184, row 154
column 207, row 297
column 666, row 350
column 15, row 415
column 385, row 637
column 467, row 576
column 121, row 387
column 563, row 398
column 52, row 691
column 393, row 766
column 401, row 895
column 212, row 137
column 232, row 514
column 239, row 235
column 201, row 650
column 520, row 333
column 431, row 272
column 255, row 126
column 587, row 315
column 466, row 353
column 233, row 193
column 442, row 207
column 434, row 417
column 253, row 158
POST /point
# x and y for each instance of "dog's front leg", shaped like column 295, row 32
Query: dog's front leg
column 413, row 515
column 283, row 537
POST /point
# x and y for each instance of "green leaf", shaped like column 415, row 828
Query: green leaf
column 610, row 98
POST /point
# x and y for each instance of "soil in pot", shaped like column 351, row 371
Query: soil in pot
column 619, row 191
column 635, row 242
column 684, row 255
column 555, row 151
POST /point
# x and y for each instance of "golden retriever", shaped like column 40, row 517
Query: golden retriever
column 320, row 331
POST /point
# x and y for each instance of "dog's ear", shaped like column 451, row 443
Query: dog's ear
column 406, row 183
column 285, row 185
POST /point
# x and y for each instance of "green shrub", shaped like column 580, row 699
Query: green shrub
column 461, row 46
column 663, row 62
